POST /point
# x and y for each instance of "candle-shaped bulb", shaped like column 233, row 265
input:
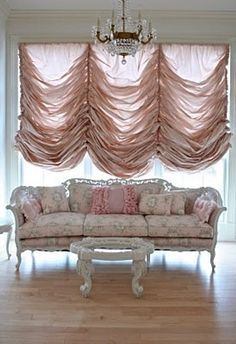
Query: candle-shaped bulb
column 139, row 16
column 98, row 24
column 112, row 17
column 150, row 26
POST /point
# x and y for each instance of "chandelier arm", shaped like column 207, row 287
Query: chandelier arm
column 140, row 29
column 102, row 40
column 143, row 41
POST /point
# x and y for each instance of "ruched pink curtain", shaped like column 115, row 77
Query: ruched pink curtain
column 168, row 102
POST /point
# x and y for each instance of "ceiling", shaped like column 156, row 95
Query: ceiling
column 162, row 5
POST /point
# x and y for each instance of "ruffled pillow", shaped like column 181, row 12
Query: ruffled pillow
column 31, row 208
column 115, row 200
column 203, row 208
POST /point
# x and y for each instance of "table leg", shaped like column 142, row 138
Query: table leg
column 85, row 269
column 8, row 241
column 138, row 270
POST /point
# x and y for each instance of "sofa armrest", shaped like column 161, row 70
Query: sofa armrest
column 19, row 194
column 214, row 217
column 18, row 215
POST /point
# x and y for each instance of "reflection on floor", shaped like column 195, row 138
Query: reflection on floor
column 183, row 301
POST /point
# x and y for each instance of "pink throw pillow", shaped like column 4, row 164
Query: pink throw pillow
column 31, row 208
column 203, row 208
column 115, row 200
column 99, row 205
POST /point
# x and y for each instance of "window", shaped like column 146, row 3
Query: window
column 214, row 176
column 173, row 107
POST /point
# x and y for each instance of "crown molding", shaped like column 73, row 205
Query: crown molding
column 27, row 14
column 4, row 8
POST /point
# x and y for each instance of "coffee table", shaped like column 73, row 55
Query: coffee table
column 112, row 248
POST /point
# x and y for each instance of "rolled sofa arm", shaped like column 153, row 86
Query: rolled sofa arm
column 214, row 217
column 15, row 205
column 18, row 216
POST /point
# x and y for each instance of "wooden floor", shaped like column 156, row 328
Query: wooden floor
column 182, row 302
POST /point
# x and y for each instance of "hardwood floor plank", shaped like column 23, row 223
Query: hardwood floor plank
column 183, row 301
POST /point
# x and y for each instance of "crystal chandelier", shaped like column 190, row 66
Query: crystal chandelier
column 123, row 35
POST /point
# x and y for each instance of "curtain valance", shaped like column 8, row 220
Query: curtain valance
column 168, row 102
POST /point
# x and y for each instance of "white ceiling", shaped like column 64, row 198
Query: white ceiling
column 162, row 5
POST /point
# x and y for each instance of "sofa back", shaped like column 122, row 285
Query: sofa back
column 79, row 193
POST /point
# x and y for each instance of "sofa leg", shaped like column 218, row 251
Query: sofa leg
column 18, row 254
column 212, row 257
column 148, row 261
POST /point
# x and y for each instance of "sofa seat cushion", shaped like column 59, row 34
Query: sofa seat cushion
column 178, row 226
column 115, row 225
column 54, row 225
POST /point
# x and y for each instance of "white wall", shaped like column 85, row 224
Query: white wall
column 76, row 25
column 41, row 26
column 3, row 18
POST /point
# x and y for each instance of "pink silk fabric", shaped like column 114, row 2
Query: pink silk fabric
column 168, row 102
column 117, row 200
column 31, row 208
column 203, row 208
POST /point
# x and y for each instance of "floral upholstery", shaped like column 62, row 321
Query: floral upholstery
column 64, row 242
column 31, row 208
column 149, row 188
column 115, row 225
column 191, row 196
column 183, row 243
column 178, row 203
column 50, row 242
column 54, row 200
column 158, row 204
column 69, row 218
column 51, row 225
column 178, row 226
column 80, row 198
column 203, row 208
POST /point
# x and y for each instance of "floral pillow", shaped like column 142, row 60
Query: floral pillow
column 203, row 208
column 115, row 200
column 149, row 188
column 156, row 204
column 31, row 208
column 81, row 197
column 178, row 203
column 54, row 200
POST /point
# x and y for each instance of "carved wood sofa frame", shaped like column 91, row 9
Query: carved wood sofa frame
column 213, row 220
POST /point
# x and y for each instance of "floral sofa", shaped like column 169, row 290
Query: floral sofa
column 51, row 218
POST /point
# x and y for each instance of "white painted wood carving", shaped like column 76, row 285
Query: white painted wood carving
column 135, row 249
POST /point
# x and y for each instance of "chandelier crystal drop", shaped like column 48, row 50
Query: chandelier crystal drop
column 123, row 35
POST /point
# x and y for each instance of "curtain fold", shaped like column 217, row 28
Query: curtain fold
column 54, row 112
column 193, row 113
column 168, row 102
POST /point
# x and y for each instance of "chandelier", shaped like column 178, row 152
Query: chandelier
column 122, row 35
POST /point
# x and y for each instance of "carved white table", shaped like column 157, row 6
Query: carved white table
column 135, row 249
column 6, row 227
